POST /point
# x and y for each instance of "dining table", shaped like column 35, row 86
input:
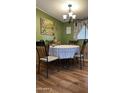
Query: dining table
column 64, row 51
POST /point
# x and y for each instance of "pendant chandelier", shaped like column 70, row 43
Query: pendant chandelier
column 70, row 16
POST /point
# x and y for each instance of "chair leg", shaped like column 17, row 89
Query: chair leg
column 39, row 67
column 80, row 64
column 77, row 61
column 67, row 62
column 47, row 71
column 61, row 63
column 57, row 64
column 64, row 63
column 83, row 61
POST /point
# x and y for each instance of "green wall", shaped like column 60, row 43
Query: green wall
column 60, row 32
column 67, row 37
column 58, row 25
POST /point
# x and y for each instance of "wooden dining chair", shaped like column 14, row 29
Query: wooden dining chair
column 72, row 42
column 43, row 55
column 80, row 56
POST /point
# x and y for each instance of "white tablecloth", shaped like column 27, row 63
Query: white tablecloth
column 64, row 51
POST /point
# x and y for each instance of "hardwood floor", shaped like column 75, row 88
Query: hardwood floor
column 72, row 80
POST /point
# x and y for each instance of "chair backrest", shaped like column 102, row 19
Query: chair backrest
column 84, row 45
column 40, row 43
column 41, row 49
column 72, row 42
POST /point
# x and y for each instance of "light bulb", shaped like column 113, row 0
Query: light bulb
column 74, row 16
column 70, row 14
column 64, row 16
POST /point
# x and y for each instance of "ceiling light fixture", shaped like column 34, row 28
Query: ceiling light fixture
column 70, row 16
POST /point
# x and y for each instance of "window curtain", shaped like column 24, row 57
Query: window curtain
column 78, row 26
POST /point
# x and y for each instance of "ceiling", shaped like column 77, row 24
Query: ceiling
column 56, row 8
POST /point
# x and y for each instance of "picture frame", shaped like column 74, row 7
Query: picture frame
column 68, row 30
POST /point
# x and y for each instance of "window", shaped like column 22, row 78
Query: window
column 81, row 34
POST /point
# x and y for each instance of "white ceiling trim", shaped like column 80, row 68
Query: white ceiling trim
column 48, row 14
column 56, row 8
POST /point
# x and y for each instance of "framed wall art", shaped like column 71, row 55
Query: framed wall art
column 47, row 27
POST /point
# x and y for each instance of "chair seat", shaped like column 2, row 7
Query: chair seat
column 50, row 58
column 78, row 55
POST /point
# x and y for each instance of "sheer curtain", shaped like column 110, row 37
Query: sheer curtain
column 78, row 26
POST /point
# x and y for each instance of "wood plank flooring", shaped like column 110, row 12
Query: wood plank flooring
column 72, row 80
